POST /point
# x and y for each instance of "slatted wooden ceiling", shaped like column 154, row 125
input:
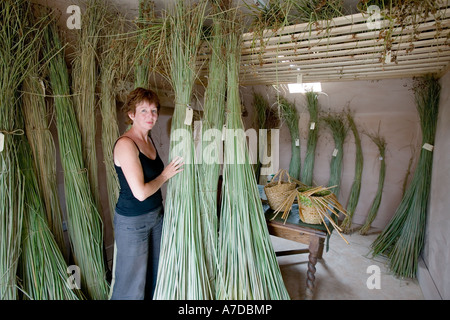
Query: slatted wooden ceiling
column 345, row 48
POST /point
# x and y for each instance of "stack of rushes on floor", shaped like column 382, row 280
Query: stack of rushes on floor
column 84, row 222
column 403, row 238
column 246, row 257
column 182, row 274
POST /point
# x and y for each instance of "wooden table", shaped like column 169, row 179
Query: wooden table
column 294, row 229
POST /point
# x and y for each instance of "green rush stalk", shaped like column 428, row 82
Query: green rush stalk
column 356, row 186
column 43, row 268
column 313, row 135
column 84, row 79
column 291, row 117
column 336, row 123
column 381, row 144
column 18, row 38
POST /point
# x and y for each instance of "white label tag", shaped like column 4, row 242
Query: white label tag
column 428, row 147
column 335, row 152
column 381, row 158
column 2, row 141
column 297, row 142
column 189, row 116
column 388, row 57
column 312, row 126
column 224, row 130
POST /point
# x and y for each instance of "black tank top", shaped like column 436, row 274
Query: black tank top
column 127, row 204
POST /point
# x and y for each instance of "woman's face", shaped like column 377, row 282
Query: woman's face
column 145, row 116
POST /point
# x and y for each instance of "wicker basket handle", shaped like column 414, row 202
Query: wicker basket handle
column 279, row 174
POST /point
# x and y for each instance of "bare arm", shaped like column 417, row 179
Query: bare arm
column 126, row 155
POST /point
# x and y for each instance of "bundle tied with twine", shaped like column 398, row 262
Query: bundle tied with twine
column 84, row 79
column 356, row 185
column 18, row 38
column 247, row 261
column 84, row 222
column 182, row 271
column 291, row 117
column 308, row 165
column 37, row 129
column 336, row 123
column 402, row 239
column 381, row 144
column 43, row 268
column 117, row 53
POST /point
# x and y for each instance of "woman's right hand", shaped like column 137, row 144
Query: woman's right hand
column 174, row 167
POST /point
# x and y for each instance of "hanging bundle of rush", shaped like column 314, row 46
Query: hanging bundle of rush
column 214, row 107
column 336, row 123
column 381, row 144
column 114, row 67
column 43, row 268
column 84, row 222
column 17, row 43
column 182, row 272
column 37, row 129
column 356, row 186
column 84, row 79
column 246, row 257
column 403, row 238
column 291, row 117
column 308, row 165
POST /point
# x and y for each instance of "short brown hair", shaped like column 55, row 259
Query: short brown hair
column 137, row 96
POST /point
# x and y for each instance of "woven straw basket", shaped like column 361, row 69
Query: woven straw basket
column 309, row 215
column 277, row 191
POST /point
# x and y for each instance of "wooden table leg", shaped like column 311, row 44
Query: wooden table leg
column 314, row 247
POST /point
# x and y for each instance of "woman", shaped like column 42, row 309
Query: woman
column 139, row 211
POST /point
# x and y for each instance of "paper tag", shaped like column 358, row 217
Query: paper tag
column 428, row 147
column 297, row 142
column 189, row 116
column 2, row 141
column 381, row 158
column 312, row 126
column 224, row 130
column 388, row 57
column 335, row 152
column 43, row 86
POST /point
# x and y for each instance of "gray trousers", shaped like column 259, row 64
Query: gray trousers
column 136, row 255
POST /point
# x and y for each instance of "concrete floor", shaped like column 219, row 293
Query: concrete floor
column 343, row 272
